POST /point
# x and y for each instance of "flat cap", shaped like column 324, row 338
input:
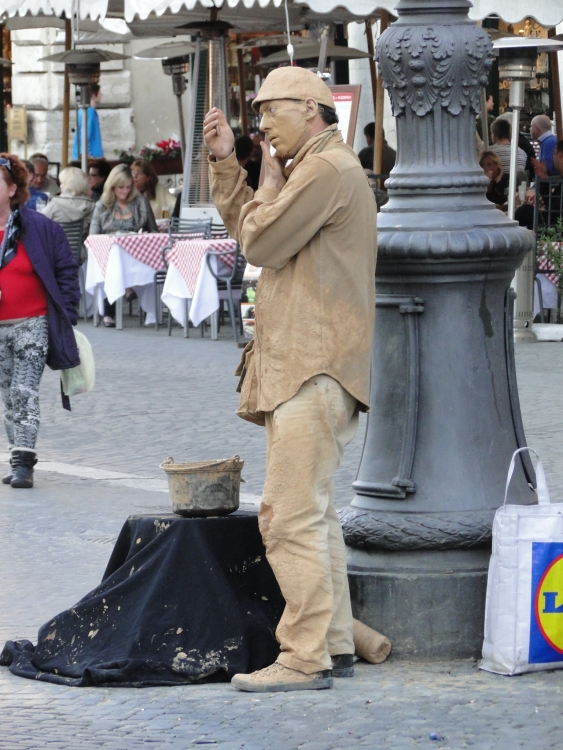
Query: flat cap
column 294, row 83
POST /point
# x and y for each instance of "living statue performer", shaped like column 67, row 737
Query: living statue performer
column 311, row 226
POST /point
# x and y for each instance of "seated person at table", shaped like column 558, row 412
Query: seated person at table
column 146, row 182
column 501, row 133
column 98, row 172
column 550, row 196
column 121, row 209
column 496, row 192
column 73, row 202
column 34, row 194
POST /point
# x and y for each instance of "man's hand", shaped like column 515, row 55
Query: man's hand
column 540, row 168
column 273, row 169
column 217, row 133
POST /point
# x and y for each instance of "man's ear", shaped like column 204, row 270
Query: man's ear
column 311, row 108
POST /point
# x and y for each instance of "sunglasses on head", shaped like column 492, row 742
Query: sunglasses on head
column 6, row 163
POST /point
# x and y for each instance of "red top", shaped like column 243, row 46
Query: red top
column 22, row 294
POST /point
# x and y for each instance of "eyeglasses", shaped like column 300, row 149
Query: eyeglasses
column 6, row 163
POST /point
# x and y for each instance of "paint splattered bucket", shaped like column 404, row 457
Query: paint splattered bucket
column 204, row 488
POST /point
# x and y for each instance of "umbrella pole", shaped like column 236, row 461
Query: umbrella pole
column 242, row 89
column 373, row 75
column 66, row 98
column 378, row 141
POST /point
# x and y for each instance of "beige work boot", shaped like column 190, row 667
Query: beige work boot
column 276, row 678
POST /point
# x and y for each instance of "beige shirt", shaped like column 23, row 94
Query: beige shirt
column 316, row 241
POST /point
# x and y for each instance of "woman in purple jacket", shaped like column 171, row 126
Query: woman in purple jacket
column 39, row 295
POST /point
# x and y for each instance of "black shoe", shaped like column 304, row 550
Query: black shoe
column 8, row 478
column 23, row 462
column 109, row 323
column 343, row 665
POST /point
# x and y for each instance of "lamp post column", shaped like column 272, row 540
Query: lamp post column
column 445, row 417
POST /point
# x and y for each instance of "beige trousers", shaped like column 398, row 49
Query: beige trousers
column 299, row 524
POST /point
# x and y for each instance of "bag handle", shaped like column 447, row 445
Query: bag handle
column 542, row 490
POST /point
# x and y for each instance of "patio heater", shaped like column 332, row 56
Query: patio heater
column 210, row 87
column 517, row 64
column 84, row 70
column 175, row 58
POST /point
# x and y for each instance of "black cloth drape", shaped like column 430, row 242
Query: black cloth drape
column 181, row 601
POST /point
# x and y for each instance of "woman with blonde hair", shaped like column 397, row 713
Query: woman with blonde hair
column 146, row 182
column 73, row 202
column 121, row 209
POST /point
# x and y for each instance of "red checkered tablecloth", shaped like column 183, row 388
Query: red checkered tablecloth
column 545, row 266
column 187, row 256
column 146, row 248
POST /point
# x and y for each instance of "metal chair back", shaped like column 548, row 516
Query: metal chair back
column 219, row 232
column 74, row 231
column 187, row 226
column 234, row 281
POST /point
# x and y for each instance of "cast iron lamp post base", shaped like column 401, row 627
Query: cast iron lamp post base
column 445, row 417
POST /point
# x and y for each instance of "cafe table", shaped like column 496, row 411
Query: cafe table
column 117, row 262
column 190, row 289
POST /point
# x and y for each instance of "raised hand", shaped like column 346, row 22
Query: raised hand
column 217, row 134
column 273, row 169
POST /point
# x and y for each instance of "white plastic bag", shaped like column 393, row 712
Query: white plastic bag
column 524, row 608
column 80, row 379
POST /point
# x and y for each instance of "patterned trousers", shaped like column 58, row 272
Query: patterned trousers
column 23, row 351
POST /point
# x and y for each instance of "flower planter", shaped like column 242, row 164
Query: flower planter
column 168, row 166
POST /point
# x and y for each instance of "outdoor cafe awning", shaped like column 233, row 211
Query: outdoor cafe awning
column 71, row 8
column 547, row 12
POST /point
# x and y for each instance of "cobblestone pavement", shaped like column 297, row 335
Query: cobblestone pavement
column 157, row 396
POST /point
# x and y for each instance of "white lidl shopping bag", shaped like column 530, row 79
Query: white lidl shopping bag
column 524, row 609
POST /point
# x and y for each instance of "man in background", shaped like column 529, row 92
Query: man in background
column 95, row 148
column 42, row 181
column 35, row 195
column 540, row 130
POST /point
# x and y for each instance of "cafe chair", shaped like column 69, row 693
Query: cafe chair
column 188, row 226
column 230, row 287
column 74, row 231
column 219, row 232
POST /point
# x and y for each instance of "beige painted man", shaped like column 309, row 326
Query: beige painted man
column 311, row 226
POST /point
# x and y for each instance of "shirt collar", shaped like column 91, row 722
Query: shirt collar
column 545, row 135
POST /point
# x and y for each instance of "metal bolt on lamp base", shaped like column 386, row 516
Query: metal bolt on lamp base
column 445, row 417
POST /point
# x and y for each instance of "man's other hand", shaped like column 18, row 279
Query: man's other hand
column 217, row 134
column 273, row 169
